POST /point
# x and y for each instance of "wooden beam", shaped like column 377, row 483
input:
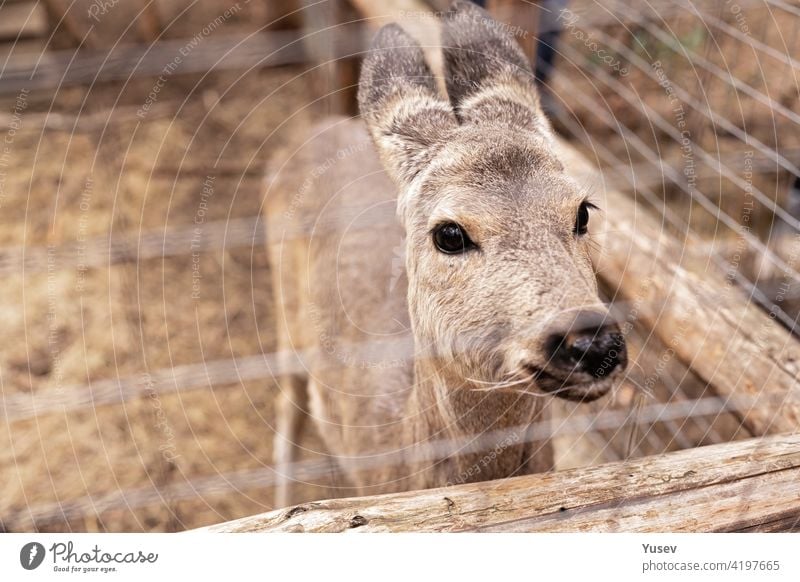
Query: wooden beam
column 416, row 18
column 24, row 20
column 103, row 251
column 695, row 309
column 80, row 31
column 149, row 23
column 332, row 77
column 167, row 58
column 736, row 486
column 522, row 19
column 29, row 50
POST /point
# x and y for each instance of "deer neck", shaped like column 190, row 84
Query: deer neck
column 447, row 415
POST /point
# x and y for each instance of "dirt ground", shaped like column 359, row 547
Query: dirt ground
column 169, row 460
column 72, row 326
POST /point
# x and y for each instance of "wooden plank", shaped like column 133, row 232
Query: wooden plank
column 522, row 19
column 724, row 487
column 321, row 26
column 728, row 507
column 104, row 251
column 78, row 28
column 651, row 176
column 149, row 23
column 416, row 18
column 696, row 310
column 110, row 391
column 86, row 121
column 282, row 15
column 224, row 52
column 23, row 20
column 29, row 50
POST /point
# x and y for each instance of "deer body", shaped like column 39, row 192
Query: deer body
column 453, row 243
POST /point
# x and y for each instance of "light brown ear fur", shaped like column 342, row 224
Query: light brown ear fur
column 489, row 78
column 398, row 99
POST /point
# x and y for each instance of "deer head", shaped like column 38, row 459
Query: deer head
column 501, row 286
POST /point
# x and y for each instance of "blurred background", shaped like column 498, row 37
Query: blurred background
column 135, row 302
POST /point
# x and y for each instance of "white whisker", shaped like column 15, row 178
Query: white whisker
column 500, row 385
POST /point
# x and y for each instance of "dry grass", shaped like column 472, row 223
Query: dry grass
column 72, row 327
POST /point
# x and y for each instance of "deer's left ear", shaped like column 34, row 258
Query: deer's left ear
column 489, row 78
column 398, row 99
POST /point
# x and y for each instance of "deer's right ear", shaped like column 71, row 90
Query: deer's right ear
column 489, row 78
column 399, row 101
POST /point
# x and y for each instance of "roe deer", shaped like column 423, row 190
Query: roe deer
column 497, row 288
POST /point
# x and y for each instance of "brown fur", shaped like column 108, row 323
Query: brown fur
column 482, row 159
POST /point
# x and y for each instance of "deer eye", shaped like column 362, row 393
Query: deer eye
column 451, row 239
column 582, row 219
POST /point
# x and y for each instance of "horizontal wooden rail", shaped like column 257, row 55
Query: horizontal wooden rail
column 104, row 251
column 168, row 57
column 19, row 406
column 22, row 20
column 745, row 485
column 218, row 50
column 86, row 121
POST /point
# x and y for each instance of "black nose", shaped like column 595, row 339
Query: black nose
column 596, row 349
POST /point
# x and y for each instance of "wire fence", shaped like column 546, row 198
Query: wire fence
column 684, row 114
column 683, row 66
column 311, row 471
